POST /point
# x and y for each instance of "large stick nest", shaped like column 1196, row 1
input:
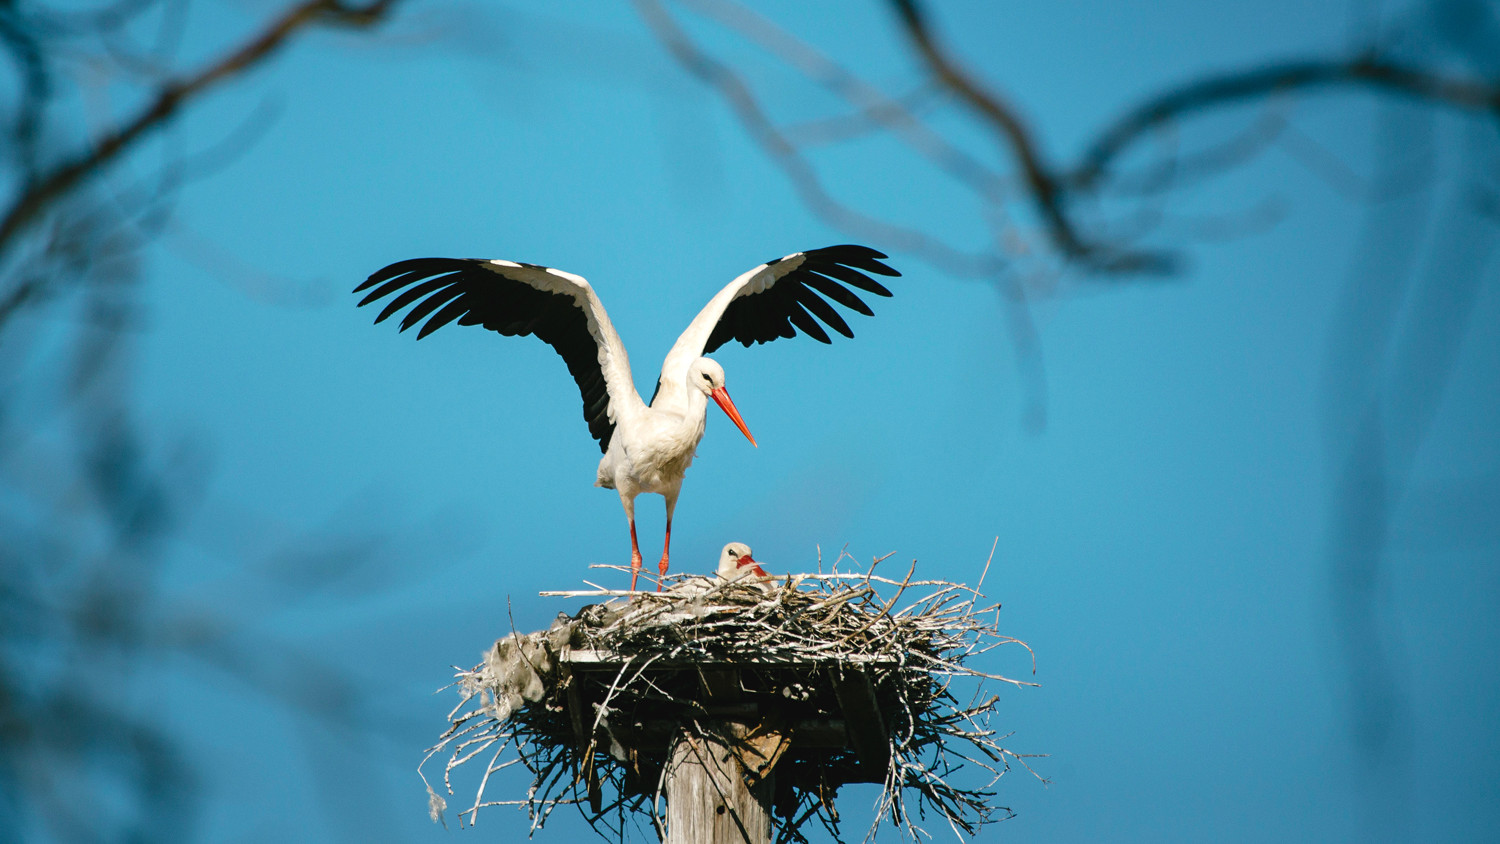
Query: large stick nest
column 591, row 706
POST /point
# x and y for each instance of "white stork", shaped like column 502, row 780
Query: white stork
column 736, row 562
column 647, row 445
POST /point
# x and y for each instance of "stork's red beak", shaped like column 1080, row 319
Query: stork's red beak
column 748, row 560
column 721, row 396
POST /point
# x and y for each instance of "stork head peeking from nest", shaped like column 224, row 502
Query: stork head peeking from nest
column 735, row 562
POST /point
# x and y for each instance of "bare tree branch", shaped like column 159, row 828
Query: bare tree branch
column 1045, row 185
column 1050, row 188
column 1367, row 71
column 876, row 107
column 785, row 154
column 38, row 194
column 92, row 510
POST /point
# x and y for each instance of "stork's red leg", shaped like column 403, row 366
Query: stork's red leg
column 665, row 548
column 635, row 557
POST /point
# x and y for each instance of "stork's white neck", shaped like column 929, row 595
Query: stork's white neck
column 690, row 406
column 695, row 420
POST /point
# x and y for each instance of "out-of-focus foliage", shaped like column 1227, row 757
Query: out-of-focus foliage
column 90, row 502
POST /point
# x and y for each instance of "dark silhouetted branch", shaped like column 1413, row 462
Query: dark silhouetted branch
column 785, row 155
column 1046, row 187
column 1367, row 71
column 1050, row 188
column 876, row 108
column 37, row 195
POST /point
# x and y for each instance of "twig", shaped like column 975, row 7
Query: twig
column 978, row 587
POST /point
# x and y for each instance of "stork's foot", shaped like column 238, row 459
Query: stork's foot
column 662, row 569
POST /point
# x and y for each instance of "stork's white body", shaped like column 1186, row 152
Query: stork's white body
column 653, row 447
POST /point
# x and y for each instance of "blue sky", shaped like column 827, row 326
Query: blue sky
column 1161, row 541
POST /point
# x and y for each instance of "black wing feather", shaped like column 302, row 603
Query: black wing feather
column 791, row 303
column 853, row 277
column 859, row 257
column 451, row 311
column 390, row 272
column 420, row 310
column 822, row 310
column 478, row 292
column 838, row 293
column 383, row 291
column 803, row 320
column 411, row 294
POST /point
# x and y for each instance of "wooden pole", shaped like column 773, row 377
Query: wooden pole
column 708, row 801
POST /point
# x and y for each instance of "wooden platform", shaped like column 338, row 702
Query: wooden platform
column 819, row 723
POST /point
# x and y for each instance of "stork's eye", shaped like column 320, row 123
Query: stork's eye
column 706, row 377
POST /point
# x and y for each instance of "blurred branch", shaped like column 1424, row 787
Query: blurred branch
column 1050, row 187
column 17, row 297
column 876, row 108
column 35, row 87
column 1367, row 71
column 1043, row 182
column 91, row 514
column 39, row 193
column 785, row 154
column 1065, row 199
column 1183, row 169
column 866, row 120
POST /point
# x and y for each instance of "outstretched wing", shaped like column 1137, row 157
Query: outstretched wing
column 518, row 299
column 777, row 299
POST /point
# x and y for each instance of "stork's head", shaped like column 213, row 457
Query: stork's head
column 735, row 562
column 706, row 376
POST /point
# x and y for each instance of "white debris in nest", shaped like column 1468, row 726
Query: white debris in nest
column 436, row 805
column 516, row 670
